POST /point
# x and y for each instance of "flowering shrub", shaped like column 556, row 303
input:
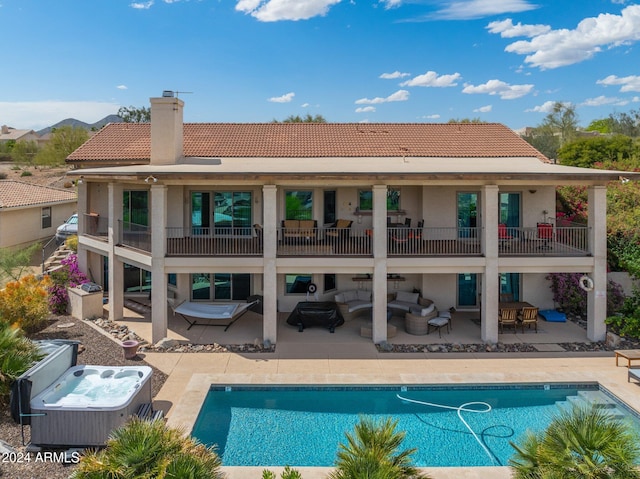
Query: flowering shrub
column 67, row 276
column 24, row 303
column 572, row 299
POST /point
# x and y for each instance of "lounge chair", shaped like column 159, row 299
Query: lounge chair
column 633, row 373
column 228, row 312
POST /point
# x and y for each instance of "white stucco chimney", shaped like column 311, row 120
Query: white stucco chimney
column 166, row 130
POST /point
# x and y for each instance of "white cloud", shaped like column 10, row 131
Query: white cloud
column 388, row 4
column 400, row 95
column 558, row 48
column 277, row 10
column 630, row 83
column 36, row 115
column 635, row 99
column 483, row 109
column 507, row 29
column 365, row 109
column 431, row 79
column 498, row 87
column 604, row 100
column 546, row 107
column 468, row 9
column 122, row 87
column 304, row 105
column 142, row 5
column 286, row 98
column 394, row 75
column 435, row 116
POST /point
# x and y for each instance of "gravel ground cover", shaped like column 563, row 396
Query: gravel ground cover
column 97, row 349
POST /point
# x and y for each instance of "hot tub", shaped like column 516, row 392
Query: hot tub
column 86, row 403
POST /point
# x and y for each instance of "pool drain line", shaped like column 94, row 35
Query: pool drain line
column 459, row 409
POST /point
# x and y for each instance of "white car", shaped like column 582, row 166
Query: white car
column 67, row 229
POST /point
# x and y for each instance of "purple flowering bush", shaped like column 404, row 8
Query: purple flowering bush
column 67, row 276
column 572, row 299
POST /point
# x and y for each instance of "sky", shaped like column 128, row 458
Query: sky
column 409, row 61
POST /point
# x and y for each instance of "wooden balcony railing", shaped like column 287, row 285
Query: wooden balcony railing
column 227, row 241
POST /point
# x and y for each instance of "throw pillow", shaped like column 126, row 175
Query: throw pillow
column 339, row 298
column 350, row 296
column 407, row 297
column 428, row 310
column 364, row 295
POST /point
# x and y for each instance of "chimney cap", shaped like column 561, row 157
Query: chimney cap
column 167, row 94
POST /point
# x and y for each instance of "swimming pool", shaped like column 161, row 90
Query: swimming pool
column 465, row 426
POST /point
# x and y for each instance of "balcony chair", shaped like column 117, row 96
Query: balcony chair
column 528, row 316
column 407, row 222
column 338, row 233
column 545, row 233
column 503, row 235
column 508, row 317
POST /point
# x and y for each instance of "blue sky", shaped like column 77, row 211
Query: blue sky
column 503, row 61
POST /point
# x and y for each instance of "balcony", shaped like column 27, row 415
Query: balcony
column 544, row 240
column 227, row 241
column 135, row 236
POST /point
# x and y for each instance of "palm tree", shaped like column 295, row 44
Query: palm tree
column 149, row 449
column 373, row 453
column 580, row 443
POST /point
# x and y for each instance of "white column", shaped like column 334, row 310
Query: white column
column 379, row 286
column 490, row 288
column 116, row 267
column 597, row 299
column 83, row 254
column 159, row 318
column 270, row 274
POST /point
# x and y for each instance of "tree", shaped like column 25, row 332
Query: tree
column 586, row 152
column 557, row 128
column 603, row 125
column 373, row 453
column 64, row 141
column 24, row 152
column 135, row 115
column 626, row 123
column 308, row 118
column 582, row 442
column 466, row 120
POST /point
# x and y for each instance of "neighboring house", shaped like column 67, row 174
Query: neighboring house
column 31, row 213
column 7, row 134
column 198, row 210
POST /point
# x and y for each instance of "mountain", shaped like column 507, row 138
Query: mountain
column 81, row 124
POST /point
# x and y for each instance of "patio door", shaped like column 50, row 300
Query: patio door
column 467, row 290
column 220, row 286
column 467, row 214
column 509, row 213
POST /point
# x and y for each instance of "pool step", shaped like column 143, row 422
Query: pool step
column 598, row 399
column 595, row 398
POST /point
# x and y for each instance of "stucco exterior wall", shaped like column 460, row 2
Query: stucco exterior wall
column 23, row 226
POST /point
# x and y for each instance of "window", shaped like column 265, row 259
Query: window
column 510, row 283
column 298, row 205
column 329, row 282
column 510, row 209
column 46, row 217
column 135, row 208
column 172, row 279
column 220, row 286
column 365, row 200
column 232, row 212
column 467, row 214
column 297, row 283
column 329, row 207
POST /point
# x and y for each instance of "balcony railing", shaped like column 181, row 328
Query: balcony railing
column 429, row 241
column 544, row 240
column 96, row 225
column 227, row 241
column 322, row 242
column 135, row 236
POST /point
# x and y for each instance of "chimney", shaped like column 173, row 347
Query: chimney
column 5, row 130
column 166, row 129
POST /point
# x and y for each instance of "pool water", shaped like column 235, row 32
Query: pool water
column 303, row 426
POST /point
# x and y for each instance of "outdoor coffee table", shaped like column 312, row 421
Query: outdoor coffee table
column 628, row 354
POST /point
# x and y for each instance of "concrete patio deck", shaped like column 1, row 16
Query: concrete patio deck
column 316, row 356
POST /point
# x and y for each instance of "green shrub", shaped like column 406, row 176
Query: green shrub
column 17, row 354
column 26, row 173
column 626, row 322
column 287, row 473
column 149, row 449
column 572, row 299
column 3, row 176
column 373, row 452
column 583, row 442
column 72, row 243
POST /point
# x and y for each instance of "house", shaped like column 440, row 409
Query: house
column 31, row 213
column 208, row 212
column 11, row 134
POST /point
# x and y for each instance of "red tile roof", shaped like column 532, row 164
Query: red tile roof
column 131, row 142
column 14, row 194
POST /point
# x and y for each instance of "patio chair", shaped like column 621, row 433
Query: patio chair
column 503, row 235
column 545, row 233
column 508, row 317
column 528, row 316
